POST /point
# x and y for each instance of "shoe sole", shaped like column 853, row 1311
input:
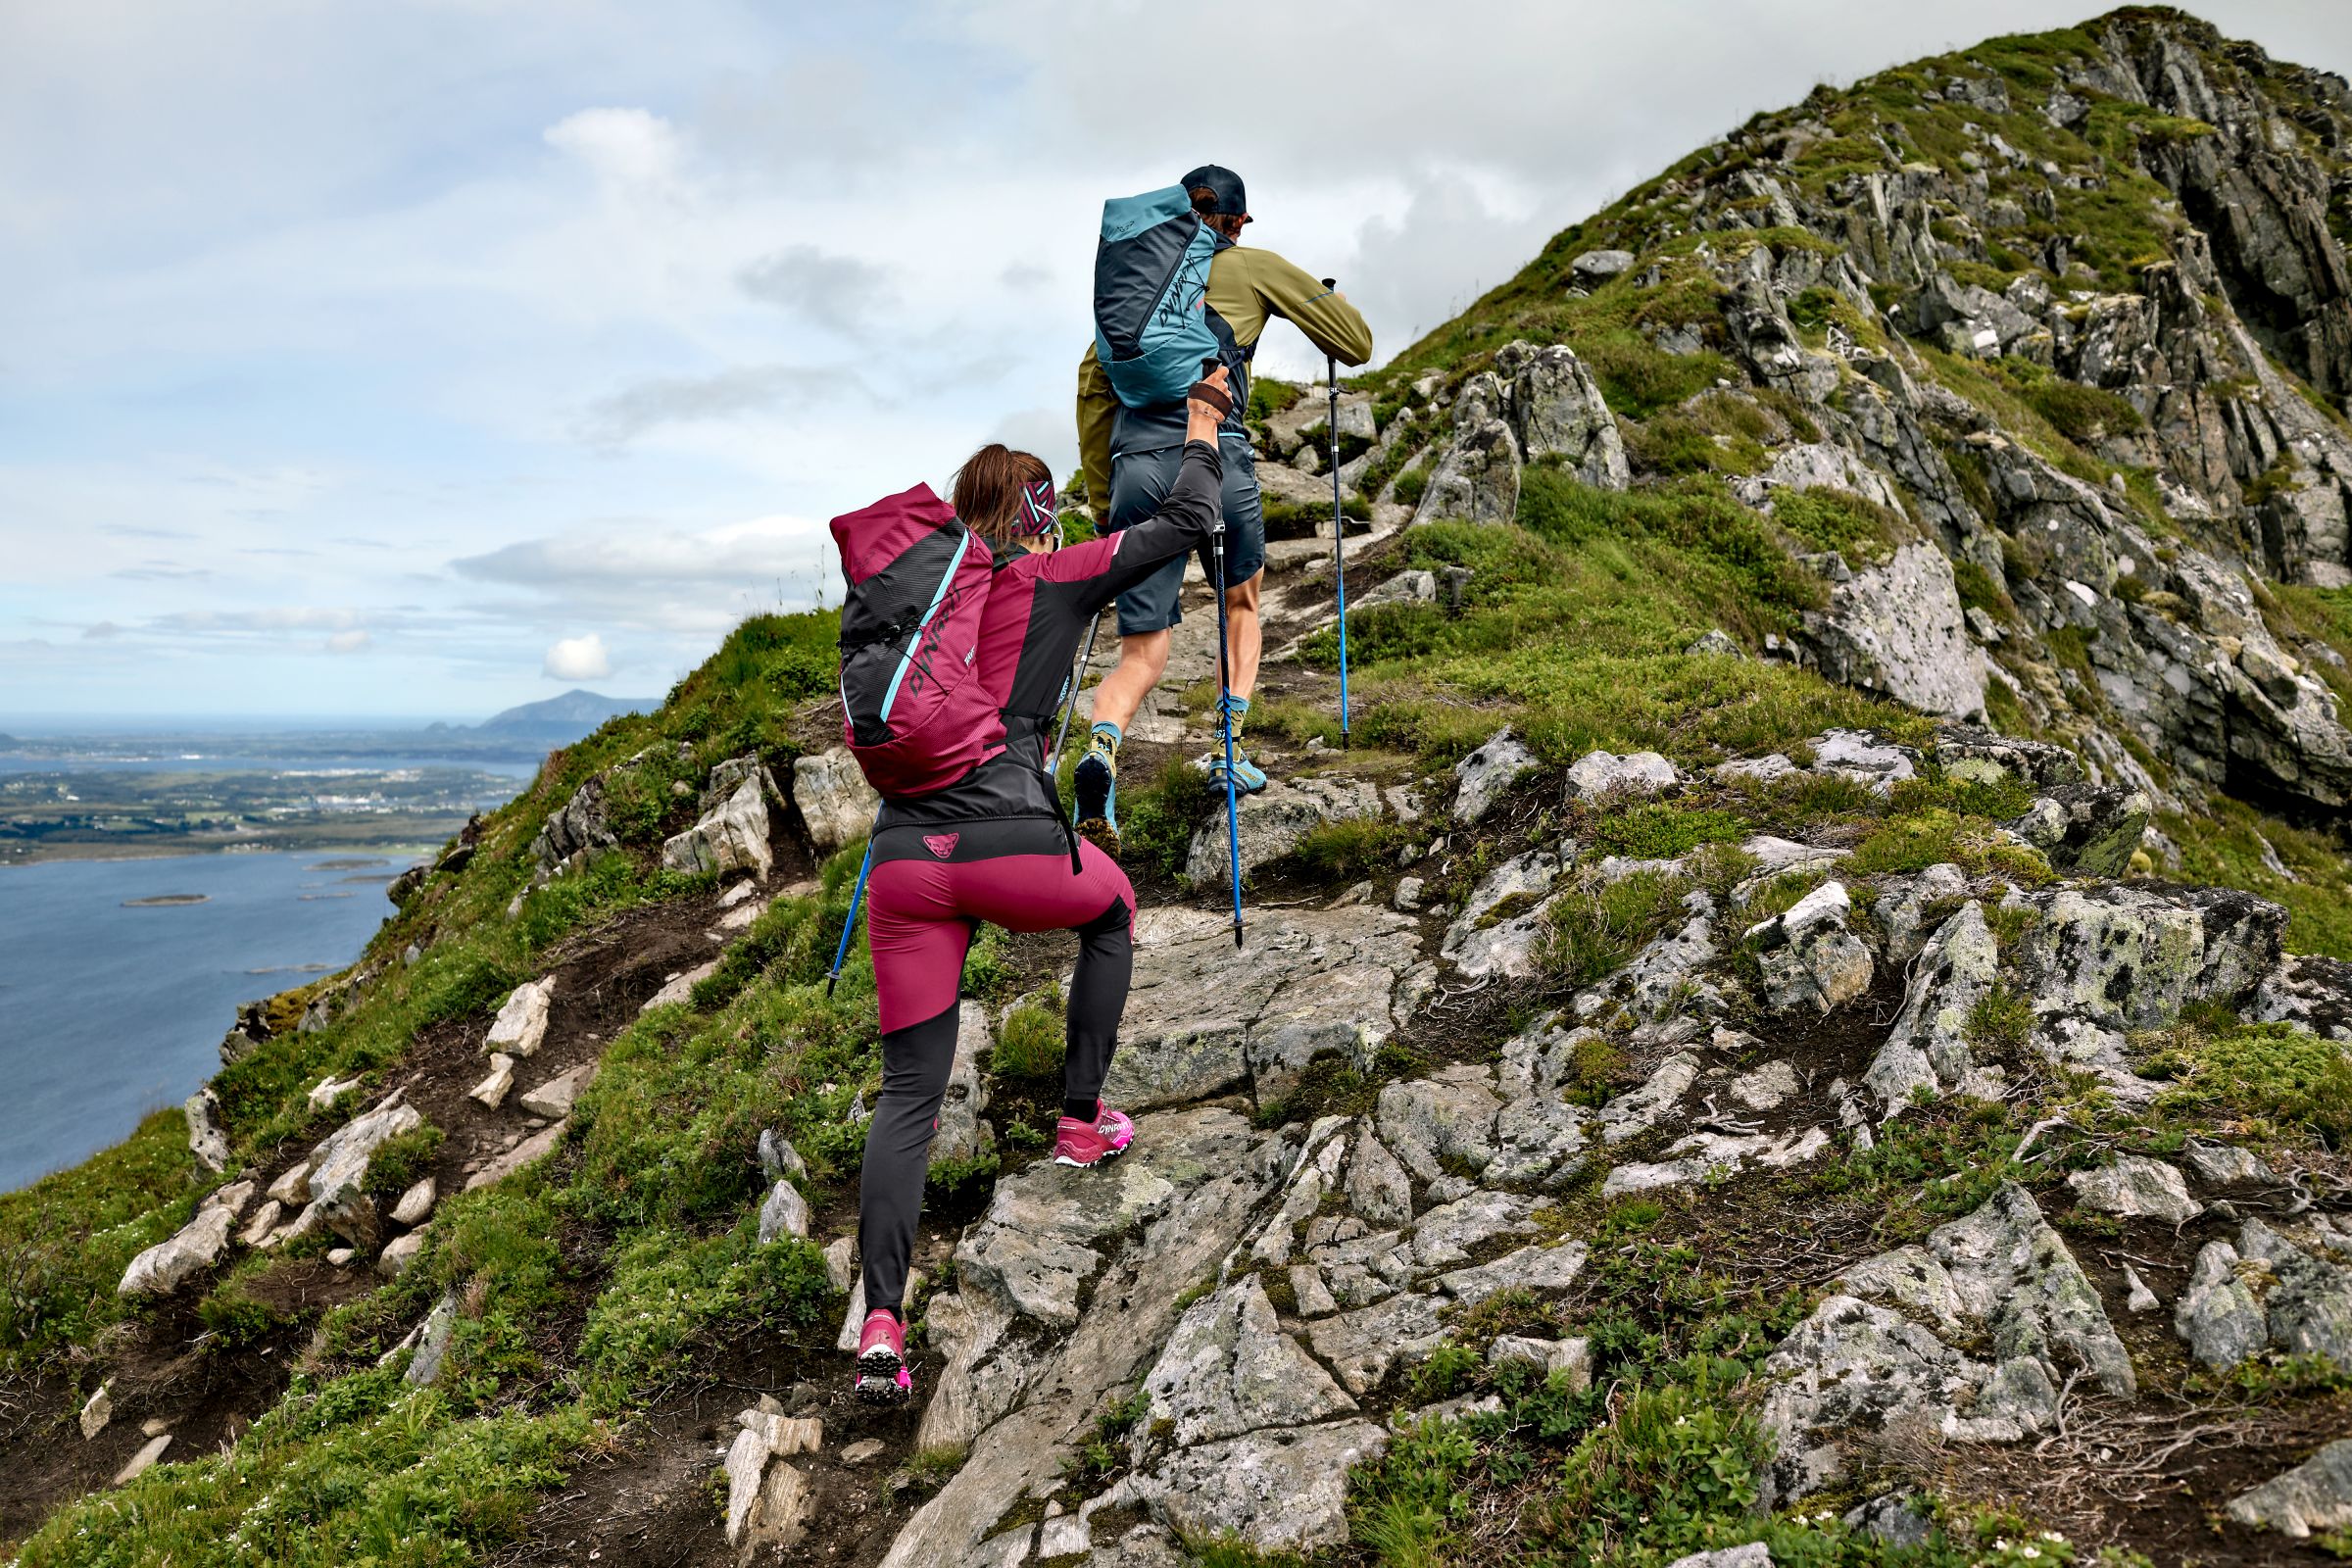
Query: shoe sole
column 878, row 1378
column 1094, row 805
column 1104, row 1158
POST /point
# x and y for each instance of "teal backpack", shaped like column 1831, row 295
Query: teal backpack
column 1151, row 326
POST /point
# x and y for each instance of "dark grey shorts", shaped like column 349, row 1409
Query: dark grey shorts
column 1140, row 481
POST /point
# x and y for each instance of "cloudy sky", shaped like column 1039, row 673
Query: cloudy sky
column 426, row 357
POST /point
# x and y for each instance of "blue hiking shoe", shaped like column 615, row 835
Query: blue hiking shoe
column 1096, row 783
column 1248, row 777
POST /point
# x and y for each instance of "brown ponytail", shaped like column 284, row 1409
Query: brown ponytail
column 988, row 494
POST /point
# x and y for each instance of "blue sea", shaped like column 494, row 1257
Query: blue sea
column 107, row 1012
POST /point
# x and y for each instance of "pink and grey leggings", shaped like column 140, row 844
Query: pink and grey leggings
column 928, row 891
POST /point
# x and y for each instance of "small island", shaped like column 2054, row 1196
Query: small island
column 165, row 900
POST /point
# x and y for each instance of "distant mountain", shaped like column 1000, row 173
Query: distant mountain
column 562, row 718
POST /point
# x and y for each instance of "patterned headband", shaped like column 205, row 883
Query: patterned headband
column 1037, row 505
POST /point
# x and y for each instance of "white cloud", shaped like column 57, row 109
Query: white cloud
column 349, row 642
column 627, row 147
column 579, row 659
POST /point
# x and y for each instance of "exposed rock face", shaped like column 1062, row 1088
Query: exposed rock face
column 2088, row 829
column 2265, row 1292
column 961, row 1134
column 1201, row 1019
column 168, row 1264
column 1605, row 776
column 732, row 833
column 2136, row 1187
column 1898, row 629
column 834, row 801
column 206, row 1141
column 2315, row 1495
column 522, row 1021
column 2000, row 1278
column 1556, row 409
column 1489, row 771
column 1273, row 822
column 1229, row 1369
column 577, row 831
column 1808, row 955
column 1927, row 1051
column 1171, row 1207
column 1477, row 480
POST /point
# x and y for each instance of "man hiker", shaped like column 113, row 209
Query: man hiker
column 1130, row 458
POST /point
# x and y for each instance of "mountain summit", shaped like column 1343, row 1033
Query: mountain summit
column 1807, row 1020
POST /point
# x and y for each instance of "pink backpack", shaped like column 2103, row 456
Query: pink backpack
column 915, row 713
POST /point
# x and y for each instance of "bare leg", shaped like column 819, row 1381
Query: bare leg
column 1245, row 636
column 1143, row 659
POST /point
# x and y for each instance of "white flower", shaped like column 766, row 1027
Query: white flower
column 2029, row 1553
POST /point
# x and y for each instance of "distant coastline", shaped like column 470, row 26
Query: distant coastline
column 166, row 901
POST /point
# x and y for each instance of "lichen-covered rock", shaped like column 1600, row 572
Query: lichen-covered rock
column 1487, row 772
column 1229, row 1369
column 577, row 831
column 1898, row 629
column 784, row 1213
column 1540, row 1135
column 1175, row 1204
column 2315, row 1495
column 959, row 1134
column 1477, row 478
column 2130, row 957
column 2091, row 830
column 206, row 1141
column 1982, row 757
column 1863, row 758
column 1605, row 776
column 168, row 1264
column 1927, row 1051
column 1449, row 1118
column 1282, row 1490
column 1501, row 929
column 1274, row 822
column 1558, row 410
column 2136, row 1187
column 730, row 836
column 2000, row 1278
column 834, row 802
column 1362, row 1346
column 1807, row 955
column 1202, row 1018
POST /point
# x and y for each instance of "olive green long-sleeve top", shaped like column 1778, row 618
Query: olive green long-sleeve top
column 1248, row 288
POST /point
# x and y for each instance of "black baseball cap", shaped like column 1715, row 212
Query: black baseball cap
column 1233, row 197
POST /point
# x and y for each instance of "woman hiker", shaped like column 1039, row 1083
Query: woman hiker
column 995, row 846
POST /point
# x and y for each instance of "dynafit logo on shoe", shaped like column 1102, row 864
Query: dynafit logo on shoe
column 941, row 845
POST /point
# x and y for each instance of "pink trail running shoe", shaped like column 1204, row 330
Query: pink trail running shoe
column 882, row 1375
column 1083, row 1143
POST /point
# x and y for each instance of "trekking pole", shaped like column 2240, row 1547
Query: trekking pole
column 1339, row 526
column 857, row 897
column 1062, row 737
column 1233, row 827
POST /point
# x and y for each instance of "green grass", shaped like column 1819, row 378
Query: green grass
column 1595, row 930
column 2222, row 844
column 1030, row 1042
column 2282, row 1082
column 1573, row 627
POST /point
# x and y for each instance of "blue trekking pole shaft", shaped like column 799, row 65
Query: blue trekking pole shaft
column 857, row 897
column 1339, row 526
column 1233, row 826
